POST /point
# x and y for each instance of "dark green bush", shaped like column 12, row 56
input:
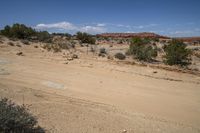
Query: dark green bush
column 141, row 50
column 102, row 51
column 6, row 31
column 17, row 119
column 85, row 38
column 177, row 53
column 21, row 31
column 146, row 40
column 44, row 36
column 120, row 56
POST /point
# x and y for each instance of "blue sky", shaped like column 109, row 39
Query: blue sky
column 165, row 17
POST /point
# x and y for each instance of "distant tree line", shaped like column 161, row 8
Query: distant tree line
column 21, row 31
column 62, row 34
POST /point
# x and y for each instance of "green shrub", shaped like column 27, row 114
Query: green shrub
column 21, row 31
column 102, row 51
column 85, row 38
column 6, row 31
column 142, row 51
column 120, row 56
column 44, row 36
column 57, row 47
column 17, row 119
column 146, row 40
column 155, row 39
column 177, row 53
column 11, row 44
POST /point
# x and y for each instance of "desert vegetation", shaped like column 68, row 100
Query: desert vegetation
column 21, row 31
column 85, row 38
column 104, row 67
column 177, row 53
column 17, row 119
column 120, row 56
column 102, row 52
column 57, row 47
column 142, row 47
column 141, row 50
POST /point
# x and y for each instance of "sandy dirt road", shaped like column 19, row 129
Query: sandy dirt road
column 95, row 95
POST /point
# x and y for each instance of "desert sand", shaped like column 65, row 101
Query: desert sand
column 93, row 94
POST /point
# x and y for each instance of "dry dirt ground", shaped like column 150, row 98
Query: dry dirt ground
column 92, row 95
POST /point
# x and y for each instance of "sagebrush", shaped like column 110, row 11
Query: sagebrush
column 17, row 119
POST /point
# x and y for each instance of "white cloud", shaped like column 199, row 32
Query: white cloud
column 145, row 26
column 121, row 25
column 197, row 29
column 182, row 33
column 130, row 32
column 101, row 25
column 190, row 23
column 140, row 27
column 92, row 29
column 59, row 26
column 69, row 27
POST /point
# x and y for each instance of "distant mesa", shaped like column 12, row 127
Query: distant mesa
column 130, row 35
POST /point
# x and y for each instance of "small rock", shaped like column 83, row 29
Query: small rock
column 155, row 72
column 69, row 59
column 18, row 45
column 124, row 131
column 19, row 53
column 101, row 55
column 75, row 56
column 110, row 57
column 64, row 56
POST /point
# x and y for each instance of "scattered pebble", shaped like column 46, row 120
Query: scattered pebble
column 124, row 131
column 75, row 56
column 155, row 72
column 18, row 45
column 69, row 59
column 19, row 53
